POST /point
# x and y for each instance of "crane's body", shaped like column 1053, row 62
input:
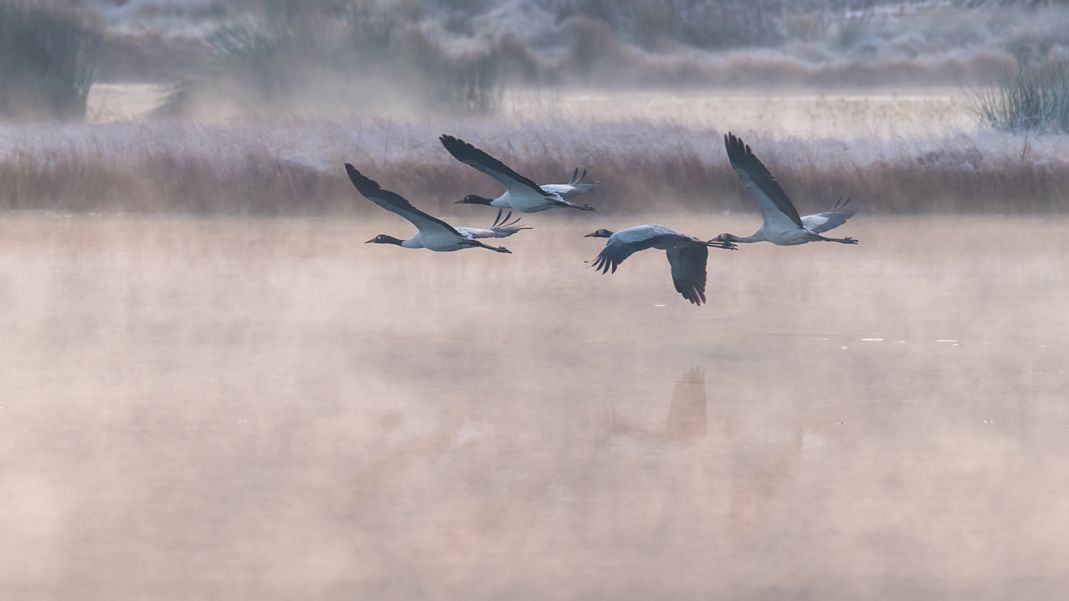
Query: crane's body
column 687, row 256
column 432, row 233
column 781, row 223
column 521, row 193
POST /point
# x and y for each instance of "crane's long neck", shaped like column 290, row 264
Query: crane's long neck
column 384, row 239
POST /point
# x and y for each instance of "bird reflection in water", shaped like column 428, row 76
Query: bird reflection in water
column 686, row 419
column 760, row 458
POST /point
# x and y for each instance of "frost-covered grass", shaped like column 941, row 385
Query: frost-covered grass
column 256, row 168
column 266, row 57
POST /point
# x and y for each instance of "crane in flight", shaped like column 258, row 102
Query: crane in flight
column 782, row 224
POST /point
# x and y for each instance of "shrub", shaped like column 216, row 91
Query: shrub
column 1036, row 98
column 46, row 60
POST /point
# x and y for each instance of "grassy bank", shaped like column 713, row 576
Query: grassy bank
column 296, row 169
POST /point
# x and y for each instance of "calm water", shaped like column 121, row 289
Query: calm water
column 273, row 410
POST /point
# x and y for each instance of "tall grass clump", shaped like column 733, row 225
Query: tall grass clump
column 47, row 56
column 1036, row 98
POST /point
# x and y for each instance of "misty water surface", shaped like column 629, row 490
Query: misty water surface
column 231, row 409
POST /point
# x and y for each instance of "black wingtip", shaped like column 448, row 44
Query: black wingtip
column 363, row 183
column 737, row 149
column 733, row 145
column 695, row 295
column 454, row 144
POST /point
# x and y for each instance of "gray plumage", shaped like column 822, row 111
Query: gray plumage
column 500, row 228
column 687, row 256
column 521, row 193
column 781, row 223
column 432, row 233
column 818, row 223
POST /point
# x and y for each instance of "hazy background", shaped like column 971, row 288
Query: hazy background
column 210, row 388
column 249, row 107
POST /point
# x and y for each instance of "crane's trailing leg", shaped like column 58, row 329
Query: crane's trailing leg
column 724, row 244
column 500, row 249
column 847, row 240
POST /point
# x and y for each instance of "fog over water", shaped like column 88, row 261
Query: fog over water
column 271, row 409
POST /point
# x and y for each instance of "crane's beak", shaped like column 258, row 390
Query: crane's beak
column 369, row 241
column 594, row 235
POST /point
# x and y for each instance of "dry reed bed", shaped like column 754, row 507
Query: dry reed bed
column 261, row 169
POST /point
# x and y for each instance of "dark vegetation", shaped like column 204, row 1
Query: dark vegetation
column 1034, row 99
column 47, row 58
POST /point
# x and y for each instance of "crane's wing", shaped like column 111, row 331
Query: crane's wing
column 395, row 203
column 776, row 208
column 474, row 157
column 625, row 243
column 819, row 223
column 688, row 271
column 501, row 228
column 568, row 190
column 613, row 254
column 576, row 178
column 574, row 187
